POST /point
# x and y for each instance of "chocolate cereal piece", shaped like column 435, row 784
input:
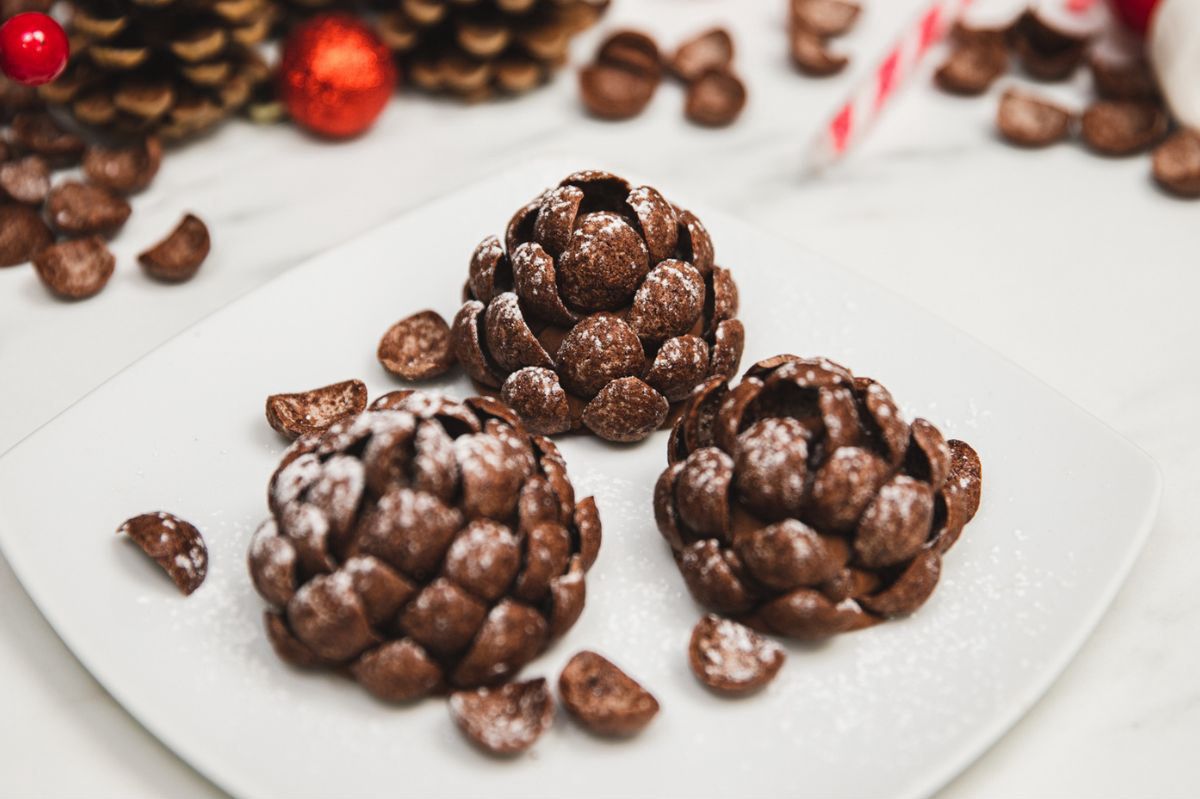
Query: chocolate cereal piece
column 811, row 54
column 511, row 341
column 1177, row 163
column 604, row 699
column 632, row 50
column 78, row 209
column 466, row 334
column 125, row 170
column 911, row 588
column 994, row 32
column 712, row 49
column 505, row 720
column 613, row 92
column 75, row 269
column 397, row 671
column 37, row 132
column 958, row 500
column 23, row 234
column 288, row 647
column 624, row 76
column 732, row 659
column 729, row 340
column 599, row 349
column 536, row 394
column 669, row 301
column 1120, row 127
column 680, row 364
column 417, row 347
column 603, row 264
column 715, row 98
column 625, row 410
column 1128, row 80
column 1028, row 121
column 178, row 257
column 971, row 69
column 26, row 180
column 309, row 412
column 174, row 544
column 825, row 17
column 1045, row 52
column 329, row 616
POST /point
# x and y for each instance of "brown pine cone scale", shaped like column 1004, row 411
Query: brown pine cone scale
column 169, row 67
column 802, row 503
column 478, row 48
column 601, row 308
column 422, row 545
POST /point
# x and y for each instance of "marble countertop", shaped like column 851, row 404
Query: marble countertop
column 1073, row 266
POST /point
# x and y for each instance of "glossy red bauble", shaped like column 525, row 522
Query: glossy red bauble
column 336, row 75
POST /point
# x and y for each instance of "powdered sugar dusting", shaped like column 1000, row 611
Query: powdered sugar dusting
column 669, row 300
column 307, row 524
column 478, row 548
column 435, row 453
column 191, row 562
column 737, row 653
column 898, row 498
column 708, row 472
column 504, row 720
column 481, row 455
column 294, row 478
column 338, row 490
column 643, row 201
column 773, row 456
column 703, row 559
column 270, row 549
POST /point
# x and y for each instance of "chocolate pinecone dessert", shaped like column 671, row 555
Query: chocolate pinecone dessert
column 803, row 504
column 422, row 545
column 601, row 308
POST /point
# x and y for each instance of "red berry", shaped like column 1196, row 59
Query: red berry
column 33, row 49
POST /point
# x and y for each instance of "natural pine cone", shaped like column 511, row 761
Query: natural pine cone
column 15, row 98
column 170, row 67
column 422, row 545
column 601, row 308
column 475, row 48
column 802, row 503
column 10, row 8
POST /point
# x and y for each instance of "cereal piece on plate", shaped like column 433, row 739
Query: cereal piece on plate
column 505, row 720
column 604, row 699
column 174, row 544
column 732, row 659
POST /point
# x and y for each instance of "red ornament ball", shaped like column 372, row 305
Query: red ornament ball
column 336, row 75
column 33, row 48
column 1136, row 13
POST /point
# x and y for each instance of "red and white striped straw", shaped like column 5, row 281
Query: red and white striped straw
column 866, row 104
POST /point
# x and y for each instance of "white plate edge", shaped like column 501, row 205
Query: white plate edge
column 967, row 753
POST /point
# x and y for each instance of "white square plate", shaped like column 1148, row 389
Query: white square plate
column 892, row 711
